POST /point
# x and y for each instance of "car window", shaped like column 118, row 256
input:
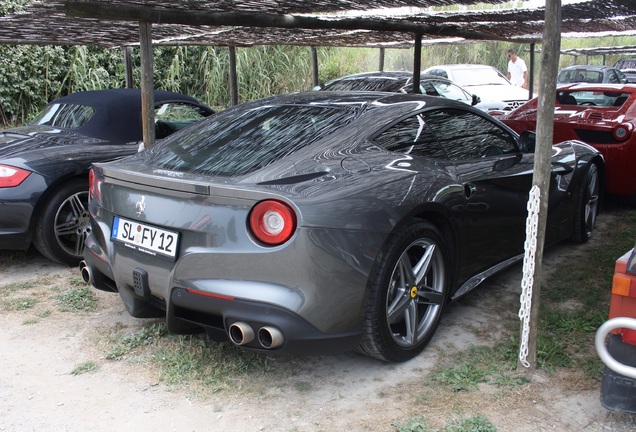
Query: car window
column 450, row 91
column 173, row 116
column 580, row 75
column 65, row 116
column 233, row 144
column 622, row 78
column 592, row 98
column 465, row 135
column 612, row 78
column 413, row 137
column 478, row 76
column 366, row 84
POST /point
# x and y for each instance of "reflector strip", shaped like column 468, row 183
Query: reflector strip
column 207, row 294
column 621, row 286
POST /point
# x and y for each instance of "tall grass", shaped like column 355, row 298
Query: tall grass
column 44, row 74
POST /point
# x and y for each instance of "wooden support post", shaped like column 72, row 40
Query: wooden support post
column 128, row 67
column 314, row 66
column 417, row 63
column 543, row 154
column 147, row 84
column 233, row 78
column 531, row 72
column 381, row 62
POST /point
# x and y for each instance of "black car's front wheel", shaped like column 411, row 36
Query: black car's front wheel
column 407, row 294
column 63, row 223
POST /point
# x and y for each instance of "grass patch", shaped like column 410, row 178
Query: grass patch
column 187, row 360
column 471, row 424
column 85, row 367
column 575, row 300
column 82, row 299
column 480, row 364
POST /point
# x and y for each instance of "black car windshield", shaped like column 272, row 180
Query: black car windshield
column 367, row 84
column 65, row 116
column 242, row 142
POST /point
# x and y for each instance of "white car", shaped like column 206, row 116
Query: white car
column 484, row 81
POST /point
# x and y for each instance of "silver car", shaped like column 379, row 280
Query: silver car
column 323, row 221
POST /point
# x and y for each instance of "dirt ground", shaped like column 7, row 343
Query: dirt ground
column 345, row 392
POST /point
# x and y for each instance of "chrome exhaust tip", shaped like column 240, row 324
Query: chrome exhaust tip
column 240, row 333
column 85, row 271
column 270, row 337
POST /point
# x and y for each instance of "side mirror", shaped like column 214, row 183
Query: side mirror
column 527, row 141
column 476, row 100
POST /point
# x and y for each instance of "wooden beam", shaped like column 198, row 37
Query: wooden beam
column 381, row 61
column 158, row 15
column 128, row 67
column 417, row 63
column 233, row 77
column 314, row 66
column 147, row 84
column 543, row 158
column 531, row 72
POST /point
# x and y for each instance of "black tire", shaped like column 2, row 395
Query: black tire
column 63, row 223
column 587, row 205
column 397, row 293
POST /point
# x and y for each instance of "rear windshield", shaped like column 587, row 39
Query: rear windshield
column 242, row 142
column 580, row 75
column 592, row 98
column 65, row 116
column 366, row 84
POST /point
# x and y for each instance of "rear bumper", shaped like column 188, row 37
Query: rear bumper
column 618, row 392
column 219, row 313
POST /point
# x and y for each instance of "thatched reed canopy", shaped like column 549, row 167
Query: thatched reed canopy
column 115, row 23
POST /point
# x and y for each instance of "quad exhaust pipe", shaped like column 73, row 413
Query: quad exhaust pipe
column 241, row 333
column 85, row 271
column 270, row 337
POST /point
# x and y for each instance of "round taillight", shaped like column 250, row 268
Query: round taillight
column 622, row 131
column 272, row 222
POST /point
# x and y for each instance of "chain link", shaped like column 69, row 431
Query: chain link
column 527, row 281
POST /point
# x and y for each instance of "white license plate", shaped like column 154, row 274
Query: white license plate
column 145, row 238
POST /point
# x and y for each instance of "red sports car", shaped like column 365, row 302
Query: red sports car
column 602, row 115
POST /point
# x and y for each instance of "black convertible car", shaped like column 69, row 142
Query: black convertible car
column 44, row 165
column 325, row 221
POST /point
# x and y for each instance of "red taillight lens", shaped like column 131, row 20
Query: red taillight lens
column 12, row 176
column 94, row 185
column 622, row 131
column 272, row 222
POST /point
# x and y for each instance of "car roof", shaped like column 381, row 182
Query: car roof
column 386, row 74
column 588, row 67
column 363, row 99
column 117, row 114
column 460, row 66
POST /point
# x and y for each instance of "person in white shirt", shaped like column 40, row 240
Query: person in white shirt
column 517, row 70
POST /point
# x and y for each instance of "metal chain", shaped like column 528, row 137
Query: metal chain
column 528, row 271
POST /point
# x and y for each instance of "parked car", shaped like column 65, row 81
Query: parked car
column 628, row 67
column 615, row 340
column 484, row 81
column 44, row 165
column 402, row 82
column 590, row 74
column 602, row 115
column 325, row 221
